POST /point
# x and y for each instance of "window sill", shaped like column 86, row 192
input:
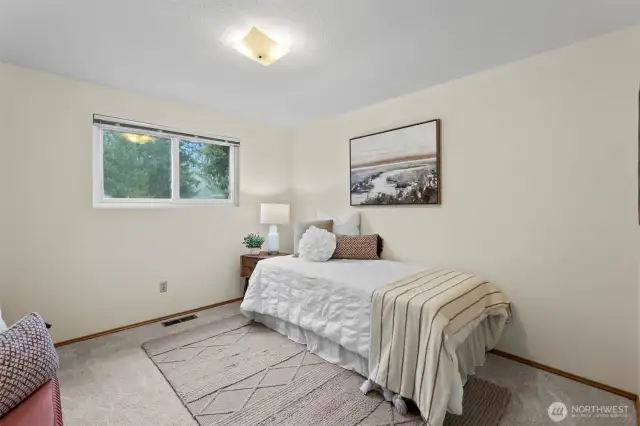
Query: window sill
column 161, row 204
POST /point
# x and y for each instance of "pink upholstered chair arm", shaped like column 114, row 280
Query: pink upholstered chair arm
column 42, row 408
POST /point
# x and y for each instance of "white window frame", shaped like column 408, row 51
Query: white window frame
column 100, row 201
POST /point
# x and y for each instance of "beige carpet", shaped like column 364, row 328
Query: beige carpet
column 235, row 372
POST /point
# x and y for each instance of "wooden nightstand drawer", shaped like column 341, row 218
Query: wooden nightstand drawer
column 249, row 264
column 247, row 271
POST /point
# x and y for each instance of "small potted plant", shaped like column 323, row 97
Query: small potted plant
column 253, row 242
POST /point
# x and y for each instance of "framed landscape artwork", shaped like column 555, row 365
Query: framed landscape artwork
column 397, row 167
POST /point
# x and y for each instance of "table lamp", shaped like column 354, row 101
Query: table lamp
column 274, row 215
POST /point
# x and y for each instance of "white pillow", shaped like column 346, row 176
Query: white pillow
column 345, row 224
column 317, row 245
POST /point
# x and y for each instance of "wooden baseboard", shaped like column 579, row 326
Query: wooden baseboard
column 140, row 324
column 589, row 382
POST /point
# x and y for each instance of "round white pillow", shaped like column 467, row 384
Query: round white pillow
column 317, row 245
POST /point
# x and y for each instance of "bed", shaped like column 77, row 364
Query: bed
column 327, row 306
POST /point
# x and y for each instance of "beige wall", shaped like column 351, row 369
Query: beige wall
column 5, row 174
column 539, row 192
column 87, row 270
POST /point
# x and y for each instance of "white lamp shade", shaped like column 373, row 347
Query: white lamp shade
column 274, row 214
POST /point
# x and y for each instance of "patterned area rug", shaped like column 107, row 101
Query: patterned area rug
column 237, row 372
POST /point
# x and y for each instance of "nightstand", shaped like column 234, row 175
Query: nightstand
column 248, row 263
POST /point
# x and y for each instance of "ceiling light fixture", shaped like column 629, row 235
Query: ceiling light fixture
column 260, row 47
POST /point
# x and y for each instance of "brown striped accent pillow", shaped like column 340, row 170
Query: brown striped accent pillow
column 361, row 247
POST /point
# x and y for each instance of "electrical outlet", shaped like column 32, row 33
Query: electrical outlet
column 163, row 286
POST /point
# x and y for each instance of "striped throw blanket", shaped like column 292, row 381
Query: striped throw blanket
column 417, row 324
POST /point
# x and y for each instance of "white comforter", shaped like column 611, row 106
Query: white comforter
column 332, row 299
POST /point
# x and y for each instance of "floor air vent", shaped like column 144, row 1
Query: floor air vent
column 179, row 320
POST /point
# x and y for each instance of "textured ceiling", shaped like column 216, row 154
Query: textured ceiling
column 345, row 54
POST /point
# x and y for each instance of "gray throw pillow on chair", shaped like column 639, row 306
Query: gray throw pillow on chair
column 28, row 360
column 301, row 227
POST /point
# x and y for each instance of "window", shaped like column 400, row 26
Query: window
column 137, row 164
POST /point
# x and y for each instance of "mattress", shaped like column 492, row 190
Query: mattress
column 331, row 299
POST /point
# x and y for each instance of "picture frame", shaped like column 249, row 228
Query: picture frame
column 397, row 167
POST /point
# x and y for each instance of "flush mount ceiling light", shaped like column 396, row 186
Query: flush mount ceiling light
column 260, row 47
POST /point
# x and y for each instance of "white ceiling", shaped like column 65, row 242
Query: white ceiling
column 345, row 54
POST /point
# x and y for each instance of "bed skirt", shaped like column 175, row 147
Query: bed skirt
column 471, row 352
column 321, row 346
